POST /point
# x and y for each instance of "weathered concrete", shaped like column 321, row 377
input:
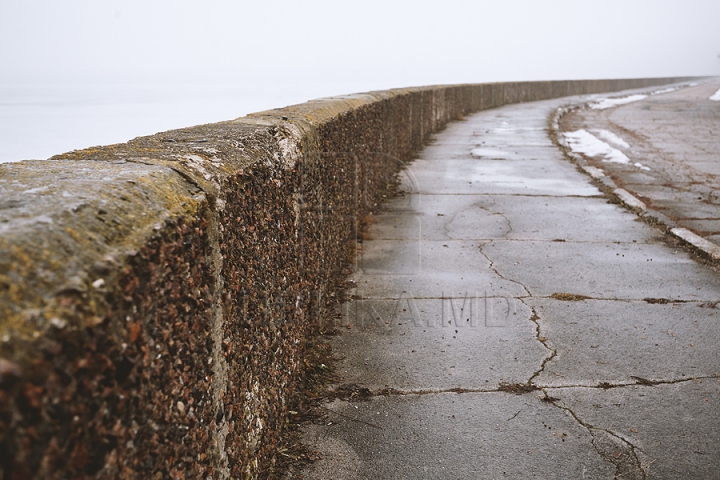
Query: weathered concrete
column 673, row 428
column 609, row 341
column 676, row 136
column 508, row 321
column 449, row 435
column 157, row 297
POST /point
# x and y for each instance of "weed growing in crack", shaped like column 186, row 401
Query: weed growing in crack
column 517, row 388
column 569, row 297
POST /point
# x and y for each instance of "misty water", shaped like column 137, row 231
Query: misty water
column 39, row 121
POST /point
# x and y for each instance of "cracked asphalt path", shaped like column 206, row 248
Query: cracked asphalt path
column 509, row 322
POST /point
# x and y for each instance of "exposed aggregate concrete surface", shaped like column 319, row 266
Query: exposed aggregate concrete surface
column 157, row 297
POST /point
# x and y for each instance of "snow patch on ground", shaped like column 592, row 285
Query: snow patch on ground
column 582, row 141
column 609, row 136
column 664, row 90
column 716, row 96
column 614, row 102
column 593, row 171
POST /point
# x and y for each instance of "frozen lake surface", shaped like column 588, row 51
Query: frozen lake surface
column 39, row 121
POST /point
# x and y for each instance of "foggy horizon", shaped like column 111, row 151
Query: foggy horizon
column 140, row 67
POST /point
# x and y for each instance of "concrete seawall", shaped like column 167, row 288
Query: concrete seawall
column 157, row 297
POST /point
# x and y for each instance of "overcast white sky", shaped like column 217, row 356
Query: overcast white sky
column 381, row 43
column 269, row 53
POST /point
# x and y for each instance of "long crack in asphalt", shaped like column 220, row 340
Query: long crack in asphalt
column 535, row 318
column 612, row 447
column 497, row 272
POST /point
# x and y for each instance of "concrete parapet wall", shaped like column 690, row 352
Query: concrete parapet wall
column 157, row 298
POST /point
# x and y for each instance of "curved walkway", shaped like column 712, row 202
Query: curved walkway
column 509, row 322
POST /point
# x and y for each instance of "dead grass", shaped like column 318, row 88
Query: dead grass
column 569, row 297
column 517, row 388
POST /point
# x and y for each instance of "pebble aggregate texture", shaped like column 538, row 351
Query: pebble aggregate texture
column 157, row 297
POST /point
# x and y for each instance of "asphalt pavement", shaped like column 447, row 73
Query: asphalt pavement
column 509, row 321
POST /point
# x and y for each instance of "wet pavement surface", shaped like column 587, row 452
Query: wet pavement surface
column 676, row 136
column 509, row 322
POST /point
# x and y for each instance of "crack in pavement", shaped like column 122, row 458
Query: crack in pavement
column 487, row 208
column 630, row 460
column 649, row 300
column 507, row 220
column 571, row 297
column 638, row 381
column 350, row 391
column 535, row 318
column 494, row 269
column 446, row 226
column 490, row 210
column 611, row 447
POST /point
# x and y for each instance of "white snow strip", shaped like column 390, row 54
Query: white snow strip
column 614, row 102
column 628, row 199
column 716, row 96
column 641, row 166
column 698, row 241
column 489, row 153
column 664, row 90
column 609, row 136
column 586, row 143
column 593, row 171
